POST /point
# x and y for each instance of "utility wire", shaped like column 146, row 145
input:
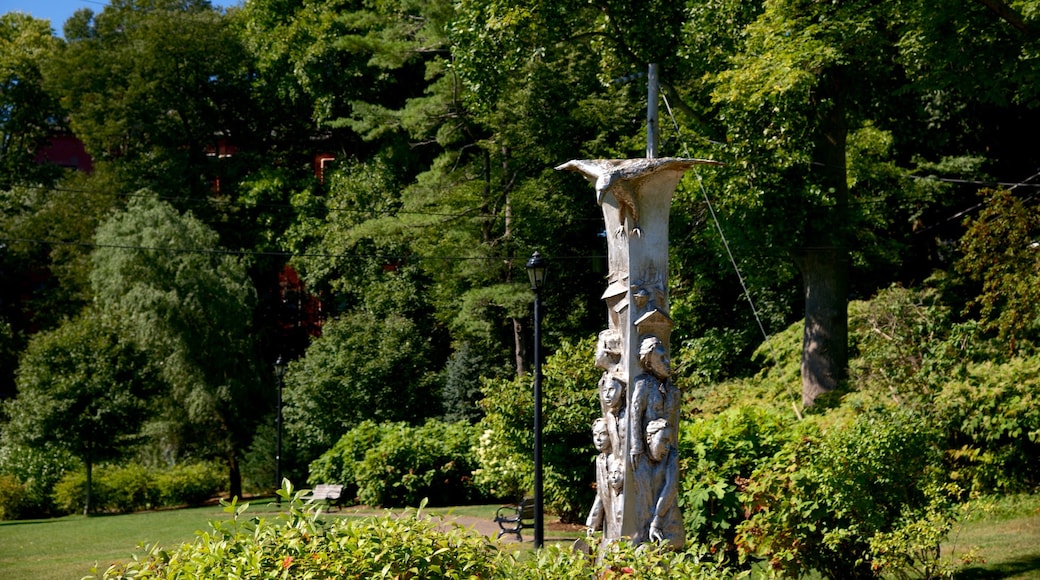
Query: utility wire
column 722, row 235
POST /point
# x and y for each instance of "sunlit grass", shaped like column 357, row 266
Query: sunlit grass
column 1005, row 534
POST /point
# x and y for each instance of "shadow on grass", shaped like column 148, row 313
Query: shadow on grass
column 1011, row 568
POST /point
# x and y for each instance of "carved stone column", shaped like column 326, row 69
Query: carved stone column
column 638, row 466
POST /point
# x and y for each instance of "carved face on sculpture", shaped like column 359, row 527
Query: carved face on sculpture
column 654, row 358
column 616, row 477
column 600, row 437
column 659, row 439
column 611, row 391
column 608, row 349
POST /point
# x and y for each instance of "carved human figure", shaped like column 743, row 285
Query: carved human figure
column 608, row 349
column 611, row 385
column 653, row 394
column 601, row 516
column 616, row 485
column 665, row 520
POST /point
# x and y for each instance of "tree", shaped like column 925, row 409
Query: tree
column 156, row 91
column 29, row 115
column 83, row 389
column 1001, row 251
column 363, row 366
column 189, row 303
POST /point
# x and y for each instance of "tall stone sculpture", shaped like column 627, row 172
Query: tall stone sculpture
column 637, row 469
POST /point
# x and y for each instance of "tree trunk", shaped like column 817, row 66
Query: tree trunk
column 520, row 347
column 235, row 476
column 824, row 261
column 90, row 474
column 825, row 337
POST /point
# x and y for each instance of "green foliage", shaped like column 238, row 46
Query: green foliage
column 394, row 464
column 177, row 294
column 81, row 389
column 12, row 497
column 299, row 543
column 36, row 468
column 362, row 367
column 569, row 405
column 28, row 111
column 1000, row 252
column 905, row 346
column 461, row 393
column 718, row 455
column 991, row 417
column 826, row 496
column 128, row 488
column 188, row 483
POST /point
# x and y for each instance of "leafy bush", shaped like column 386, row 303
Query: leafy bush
column 122, row 489
column 70, row 493
column 395, row 464
column 189, row 483
column 12, row 497
column 37, row 469
column 299, row 544
column 992, row 421
column 342, row 463
column 408, row 464
column 129, row 488
column 719, row 453
column 569, row 405
column 829, row 499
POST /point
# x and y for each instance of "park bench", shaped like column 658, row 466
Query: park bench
column 328, row 492
column 513, row 518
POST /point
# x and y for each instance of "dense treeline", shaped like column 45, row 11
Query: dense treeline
column 356, row 186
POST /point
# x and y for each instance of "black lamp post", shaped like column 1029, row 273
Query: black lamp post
column 536, row 268
column 279, row 371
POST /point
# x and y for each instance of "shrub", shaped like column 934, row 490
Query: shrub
column 570, row 404
column 12, row 497
column 70, row 493
column 395, row 464
column 719, row 454
column 38, row 470
column 128, row 488
column 828, row 500
column 992, row 422
column 299, row 544
column 342, row 463
column 434, row 461
column 189, row 483
column 122, row 489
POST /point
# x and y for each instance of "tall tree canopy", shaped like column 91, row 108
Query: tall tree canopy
column 189, row 303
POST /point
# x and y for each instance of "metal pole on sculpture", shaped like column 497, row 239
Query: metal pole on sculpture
column 536, row 268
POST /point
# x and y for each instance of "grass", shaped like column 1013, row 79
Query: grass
column 66, row 548
column 1006, row 533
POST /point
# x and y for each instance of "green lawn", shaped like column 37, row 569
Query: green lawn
column 1007, row 536
column 66, row 548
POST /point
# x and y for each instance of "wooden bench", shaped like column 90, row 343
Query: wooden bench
column 327, row 492
column 513, row 518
